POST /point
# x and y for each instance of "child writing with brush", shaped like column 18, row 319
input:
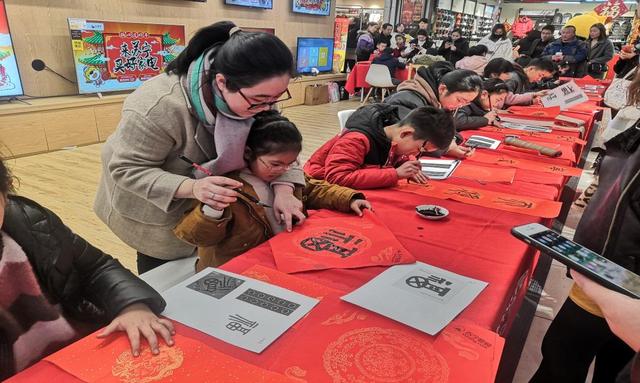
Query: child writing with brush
column 273, row 146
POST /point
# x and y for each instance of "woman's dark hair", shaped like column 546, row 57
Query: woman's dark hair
column 495, row 86
column 478, row 50
column 244, row 58
column 272, row 133
column 497, row 67
column 371, row 24
column 499, row 26
column 397, row 25
column 6, row 179
column 432, row 124
column 457, row 30
column 424, row 20
column 462, row 80
column 601, row 28
column 422, row 32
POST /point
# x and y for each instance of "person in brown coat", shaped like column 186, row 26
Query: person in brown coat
column 273, row 146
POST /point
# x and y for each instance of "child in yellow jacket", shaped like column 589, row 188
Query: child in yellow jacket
column 272, row 148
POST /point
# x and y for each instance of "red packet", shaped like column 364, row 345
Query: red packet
column 299, row 285
column 344, row 242
column 358, row 345
column 110, row 361
column 476, row 350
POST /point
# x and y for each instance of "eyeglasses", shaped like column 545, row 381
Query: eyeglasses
column 422, row 150
column 283, row 97
column 278, row 167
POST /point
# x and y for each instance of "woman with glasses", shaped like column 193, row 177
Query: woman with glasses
column 200, row 110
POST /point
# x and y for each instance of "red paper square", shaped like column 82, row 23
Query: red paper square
column 342, row 242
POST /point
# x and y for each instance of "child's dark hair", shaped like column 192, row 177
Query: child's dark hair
column 495, row 86
column 497, row 67
column 478, row 50
column 6, row 179
column 543, row 64
column 462, row 80
column 272, row 133
column 422, row 32
column 431, row 124
column 244, row 58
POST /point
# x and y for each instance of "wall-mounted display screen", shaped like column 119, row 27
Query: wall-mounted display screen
column 10, row 84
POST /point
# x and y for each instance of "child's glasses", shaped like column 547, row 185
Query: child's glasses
column 278, row 167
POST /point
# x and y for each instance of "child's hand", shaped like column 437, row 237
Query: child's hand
column 420, row 178
column 138, row 319
column 408, row 169
column 460, row 152
column 491, row 116
column 358, row 205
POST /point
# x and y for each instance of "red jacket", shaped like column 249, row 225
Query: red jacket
column 522, row 26
column 346, row 159
column 340, row 161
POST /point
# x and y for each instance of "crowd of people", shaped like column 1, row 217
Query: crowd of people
column 214, row 105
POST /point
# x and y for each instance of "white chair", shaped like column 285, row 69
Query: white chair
column 378, row 77
column 343, row 116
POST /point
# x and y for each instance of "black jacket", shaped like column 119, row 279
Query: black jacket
column 610, row 225
column 533, row 51
column 390, row 62
column 371, row 120
column 470, row 117
column 89, row 285
column 462, row 46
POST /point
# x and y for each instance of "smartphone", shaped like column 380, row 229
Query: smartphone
column 579, row 258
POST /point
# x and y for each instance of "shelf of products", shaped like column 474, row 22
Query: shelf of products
column 446, row 21
column 620, row 29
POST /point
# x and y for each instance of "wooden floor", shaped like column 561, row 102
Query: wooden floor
column 66, row 181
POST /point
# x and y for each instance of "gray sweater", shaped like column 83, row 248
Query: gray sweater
column 142, row 172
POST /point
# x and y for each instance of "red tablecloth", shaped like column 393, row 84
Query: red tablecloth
column 473, row 241
column 358, row 74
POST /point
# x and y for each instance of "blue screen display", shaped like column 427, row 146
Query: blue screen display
column 314, row 53
column 266, row 4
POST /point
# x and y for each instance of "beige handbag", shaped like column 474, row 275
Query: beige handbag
column 616, row 95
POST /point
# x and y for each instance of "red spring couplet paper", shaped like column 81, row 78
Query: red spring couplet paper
column 540, row 135
column 513, row 162
column 357, row 345
column 343, row 242
column 481, row 173
column 501, row 201
column 539, row 113
column 111, row 361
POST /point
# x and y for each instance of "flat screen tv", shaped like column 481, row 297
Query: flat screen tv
column 265, row 4
column 114, row 56
column 312, row 7
column 10, row 84
column 314, row 52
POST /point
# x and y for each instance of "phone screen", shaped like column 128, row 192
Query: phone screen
column 597, row 264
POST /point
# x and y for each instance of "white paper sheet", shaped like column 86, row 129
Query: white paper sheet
column 422, row 296
column 482, row 142
column 236, row 309
column 438, row 169
column 565, row 96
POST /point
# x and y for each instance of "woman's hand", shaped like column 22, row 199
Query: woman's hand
column 286, row 206
column 215, row 191
column 137, row 319
column 491, row 116
column 358, row 205
column 627, row 55
column 537, row 97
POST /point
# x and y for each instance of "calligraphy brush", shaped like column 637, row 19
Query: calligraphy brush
column 207, row 172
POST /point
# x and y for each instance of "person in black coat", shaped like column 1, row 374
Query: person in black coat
column 70, row 283
column 482, row 111
column 386, row 58
column 532, row 46
column 454, row 48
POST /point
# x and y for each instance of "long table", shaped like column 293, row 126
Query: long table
column 473, row 241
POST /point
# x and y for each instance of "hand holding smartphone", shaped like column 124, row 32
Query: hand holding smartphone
column 579, row 258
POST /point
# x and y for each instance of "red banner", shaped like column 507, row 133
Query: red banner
column 340, row 31
column 612, row 8
column 338, row 243
column 412, row 11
